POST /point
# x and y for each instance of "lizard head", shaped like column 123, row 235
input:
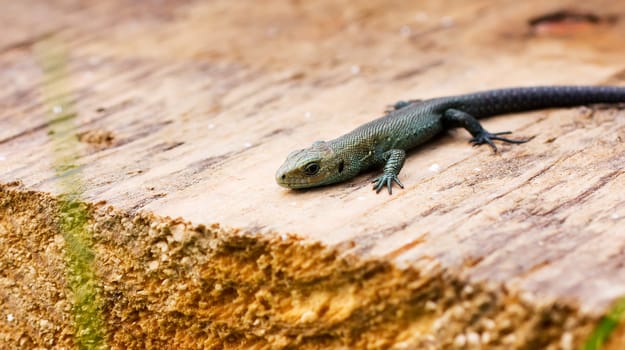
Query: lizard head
column 314, row 166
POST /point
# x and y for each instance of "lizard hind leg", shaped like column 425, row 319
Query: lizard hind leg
column 458, row 118
column 399, row 105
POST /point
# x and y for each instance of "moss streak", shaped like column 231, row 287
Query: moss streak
column 606, row 326
column 73, row 215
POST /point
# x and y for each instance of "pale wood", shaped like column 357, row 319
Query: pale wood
column 187, row 109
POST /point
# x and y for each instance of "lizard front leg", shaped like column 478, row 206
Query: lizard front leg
column 394, row 161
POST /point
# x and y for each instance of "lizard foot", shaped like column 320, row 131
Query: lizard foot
column 386, row 180
column 486, row 137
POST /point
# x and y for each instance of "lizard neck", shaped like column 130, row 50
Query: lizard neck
column 356, row 154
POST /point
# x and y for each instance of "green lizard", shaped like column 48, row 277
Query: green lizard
column 383, row 142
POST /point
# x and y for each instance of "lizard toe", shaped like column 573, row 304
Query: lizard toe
column 486, row 137
column 386, row 180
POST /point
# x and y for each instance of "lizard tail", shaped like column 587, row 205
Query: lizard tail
column 513, row 100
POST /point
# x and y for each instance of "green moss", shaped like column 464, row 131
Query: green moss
column 606, row 326
column 73, row 216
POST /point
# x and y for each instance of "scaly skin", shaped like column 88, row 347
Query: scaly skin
column 383, row 142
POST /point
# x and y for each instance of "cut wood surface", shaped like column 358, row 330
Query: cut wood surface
column 186, row 109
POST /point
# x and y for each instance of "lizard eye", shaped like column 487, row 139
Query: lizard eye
column 311, row 169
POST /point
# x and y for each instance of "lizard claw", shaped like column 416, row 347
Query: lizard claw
column 386, row 180
column 486, row 137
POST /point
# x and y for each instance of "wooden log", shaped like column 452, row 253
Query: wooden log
column 138, row 207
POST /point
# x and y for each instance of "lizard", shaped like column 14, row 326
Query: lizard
column 383, row 142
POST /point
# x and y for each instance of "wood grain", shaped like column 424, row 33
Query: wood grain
column 189, row 108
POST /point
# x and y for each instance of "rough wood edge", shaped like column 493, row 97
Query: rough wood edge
column 165, row 282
